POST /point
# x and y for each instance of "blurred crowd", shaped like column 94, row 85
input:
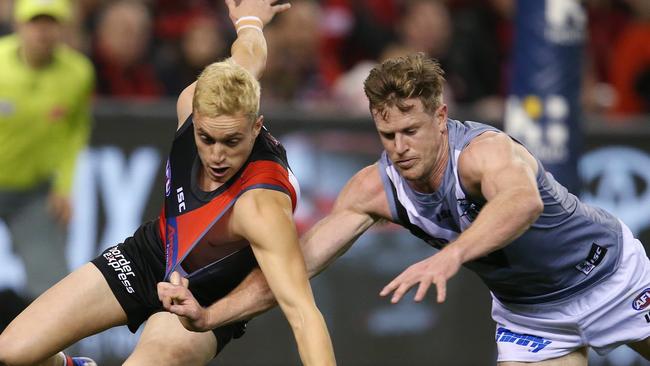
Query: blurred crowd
column 321, row 50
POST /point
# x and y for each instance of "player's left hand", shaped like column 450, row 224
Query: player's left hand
column 437, row 269
column 178, row 299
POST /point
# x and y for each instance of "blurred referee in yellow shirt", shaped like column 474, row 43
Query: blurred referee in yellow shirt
column 45, row 91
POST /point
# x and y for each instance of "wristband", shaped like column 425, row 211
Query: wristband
column 250, row 17
column 249, row 26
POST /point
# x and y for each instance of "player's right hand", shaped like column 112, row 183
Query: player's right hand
column 263, row 9
column 178, row 299
column 436, row 270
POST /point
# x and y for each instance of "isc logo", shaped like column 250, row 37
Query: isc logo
column 181, row 199
column 642, row 301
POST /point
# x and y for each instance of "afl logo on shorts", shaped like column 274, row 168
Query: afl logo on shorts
column 642, row 301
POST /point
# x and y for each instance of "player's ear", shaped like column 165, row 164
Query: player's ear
column 257, row 125
column 441, row 117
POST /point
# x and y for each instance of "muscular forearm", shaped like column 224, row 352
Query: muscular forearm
column 252, row 297
column 249, row 50
column 320, row 246
column 501, row 221
column 330, row 238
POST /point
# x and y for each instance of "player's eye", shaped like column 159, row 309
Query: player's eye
column 232, row 142
column 206, row 139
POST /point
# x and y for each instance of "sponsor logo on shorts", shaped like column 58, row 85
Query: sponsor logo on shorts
column 596, row 255
column 122, row 266
column 534, row 343
column 642, row 301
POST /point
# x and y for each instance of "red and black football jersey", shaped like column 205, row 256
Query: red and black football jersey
column 191, row 219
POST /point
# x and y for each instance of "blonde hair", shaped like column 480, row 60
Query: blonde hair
column 226, row 88
column 397, row 79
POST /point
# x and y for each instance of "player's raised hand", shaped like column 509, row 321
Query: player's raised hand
column 437, row 269
column 265, row 10
column 178, row 299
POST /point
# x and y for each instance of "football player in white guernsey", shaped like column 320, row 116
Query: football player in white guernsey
column 588, row 287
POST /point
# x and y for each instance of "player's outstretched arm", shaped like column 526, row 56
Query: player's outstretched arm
column 265, row 219
column 360, row 204
column 249, row 18
column 249, row 49
column 503, row 173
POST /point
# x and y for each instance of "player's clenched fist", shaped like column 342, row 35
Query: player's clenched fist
column 178, row 299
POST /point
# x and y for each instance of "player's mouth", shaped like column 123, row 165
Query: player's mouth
column 406, row 163
column 219, row 172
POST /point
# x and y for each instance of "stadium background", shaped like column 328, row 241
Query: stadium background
column 314, row 107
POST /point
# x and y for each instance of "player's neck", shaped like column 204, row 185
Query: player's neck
column 434, row 180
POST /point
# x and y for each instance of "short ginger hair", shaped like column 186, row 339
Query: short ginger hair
column 397, row 79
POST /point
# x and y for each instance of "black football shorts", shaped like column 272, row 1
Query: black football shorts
column 134, row 268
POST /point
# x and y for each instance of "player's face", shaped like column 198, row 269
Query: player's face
column 224, row 143
column 414, row 140
column 39, row 37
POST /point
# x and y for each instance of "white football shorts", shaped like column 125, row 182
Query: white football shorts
column 614, row 312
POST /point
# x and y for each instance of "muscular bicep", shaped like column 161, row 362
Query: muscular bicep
column 494, row 163
column 264, row 218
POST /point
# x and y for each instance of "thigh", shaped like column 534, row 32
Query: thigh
column 534, row 336
column 165, row 342
column 576, row 358
column 79, row 305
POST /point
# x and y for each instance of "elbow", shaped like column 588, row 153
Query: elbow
column 296, row 319
column 527, row 205
column 534, row 206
